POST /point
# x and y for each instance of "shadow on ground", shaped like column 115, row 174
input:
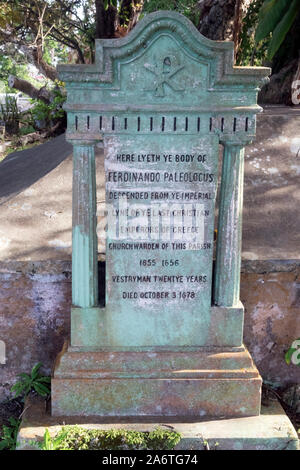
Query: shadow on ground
column 19, row 170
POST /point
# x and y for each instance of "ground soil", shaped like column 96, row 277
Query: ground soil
column 270, row 394
column 10, row 409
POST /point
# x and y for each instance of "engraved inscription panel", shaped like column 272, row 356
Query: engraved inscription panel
column 160, row 196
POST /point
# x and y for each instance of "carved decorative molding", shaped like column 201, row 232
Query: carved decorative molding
column 218, row 53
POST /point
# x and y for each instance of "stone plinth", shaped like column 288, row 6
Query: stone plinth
column 272, row 430
column 195, row 382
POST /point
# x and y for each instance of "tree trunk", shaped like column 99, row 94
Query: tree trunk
column 279, row 90
column 129, row 13
column 222, row 19
column 105, row 20
column 26, row 87
column 44, row 68
column 100, row 19
column 237, row 25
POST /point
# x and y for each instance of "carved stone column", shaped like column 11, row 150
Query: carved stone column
column 84, row 238
column 228, row 256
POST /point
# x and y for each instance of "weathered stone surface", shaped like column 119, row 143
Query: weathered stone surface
column 33, row 317
column 84, row 222
column 272, row 321
column 25, row 346
column 272, row 430
column 93, row 328
column 83, row 121
column 191, row 382
column 161, row 382
column 161, row 100
column 271, row 169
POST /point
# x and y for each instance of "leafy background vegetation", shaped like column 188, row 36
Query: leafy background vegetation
column 36, row 35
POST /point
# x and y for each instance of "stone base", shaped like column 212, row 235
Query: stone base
column 218, row 382
column 94, row 328
column 272, row 430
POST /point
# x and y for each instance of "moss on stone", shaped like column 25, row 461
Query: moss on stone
column 79, row 438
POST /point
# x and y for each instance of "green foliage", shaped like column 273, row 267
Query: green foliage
column 40, row 111
column 54, row 51
column 8, row 439
column 56, row 105
column 35, row 22
column 270, row 14
column 249, row 52
column 78, row 438
column 276, row 18
column 26, row 130
column 55, row 443
column 48, row 113
column 106, row 3
column 7, row 67
column 12, row 62
column 188, row 8
column 160, row 439
column 33, row 382
column 9, row 111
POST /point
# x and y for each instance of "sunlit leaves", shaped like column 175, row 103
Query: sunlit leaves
column 32, row 382
column 9, row 16
column 276, row 18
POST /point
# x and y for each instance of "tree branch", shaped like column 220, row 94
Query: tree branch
column 42, row 65
column 25, row 87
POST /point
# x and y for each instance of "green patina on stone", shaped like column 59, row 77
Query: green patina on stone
column 160, row 100
column 162, row 93
column 166, row 300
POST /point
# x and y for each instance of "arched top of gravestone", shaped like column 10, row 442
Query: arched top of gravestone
column 164, row 60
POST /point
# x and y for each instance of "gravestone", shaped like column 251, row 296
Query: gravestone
column 169, row 340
